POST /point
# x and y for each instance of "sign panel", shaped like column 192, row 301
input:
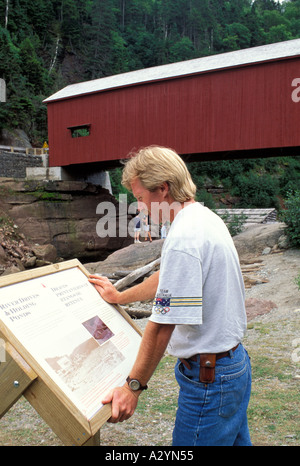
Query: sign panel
column 83, row 344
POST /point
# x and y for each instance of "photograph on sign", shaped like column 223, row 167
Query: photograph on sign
column 83, row 343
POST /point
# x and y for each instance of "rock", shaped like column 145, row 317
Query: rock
column 283, row 242
column 65, row 214
column 11, row 269
column 250, row 281
column 16, row 138
column 42, row 263
column 139, row 310
column 3, row 256
column 130, row 258
column 30, row 262
column 251, row 242
column 257, row 307
column 17, row 254
column 267, row 251
column 45, row 252
column 254, row 240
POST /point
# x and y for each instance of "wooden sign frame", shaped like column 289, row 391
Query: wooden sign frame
column 22, row 372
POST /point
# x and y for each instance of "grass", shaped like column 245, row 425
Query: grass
column 273, row 411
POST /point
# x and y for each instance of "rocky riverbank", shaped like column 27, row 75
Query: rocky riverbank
column 50, row 220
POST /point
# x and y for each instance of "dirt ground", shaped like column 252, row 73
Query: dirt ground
column 281, row 270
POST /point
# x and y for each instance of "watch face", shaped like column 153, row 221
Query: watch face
column 134, row 384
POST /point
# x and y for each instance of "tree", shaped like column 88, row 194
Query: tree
column 98, row 39
column 10, row 70
column 182, row 50
column 292, row 13
column 237, row 36
column 32, row 66
column 105, row 37
column 278, row 34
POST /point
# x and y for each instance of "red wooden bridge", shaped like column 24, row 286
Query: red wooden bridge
column 237, row 104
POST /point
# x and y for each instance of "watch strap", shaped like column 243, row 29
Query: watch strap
column 141, row 387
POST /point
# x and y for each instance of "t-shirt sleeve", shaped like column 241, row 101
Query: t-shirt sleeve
column 179, row 294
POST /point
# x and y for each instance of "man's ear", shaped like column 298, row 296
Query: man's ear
column 164, row 188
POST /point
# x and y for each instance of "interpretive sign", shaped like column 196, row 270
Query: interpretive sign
column 79, row 346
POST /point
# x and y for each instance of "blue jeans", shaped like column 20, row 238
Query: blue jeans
column 214, row 414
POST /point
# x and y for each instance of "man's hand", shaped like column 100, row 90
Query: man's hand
column 105, row 288
column 141, row 292
column 124, row 402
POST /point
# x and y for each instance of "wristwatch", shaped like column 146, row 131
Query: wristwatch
column 135, row 385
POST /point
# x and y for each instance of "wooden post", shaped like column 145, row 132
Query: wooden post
column 15, row 375
column 93, row 441
column 71, row 429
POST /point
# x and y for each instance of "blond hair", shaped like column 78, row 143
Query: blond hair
column 154, row 165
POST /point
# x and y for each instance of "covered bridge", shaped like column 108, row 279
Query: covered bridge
column 237, row 104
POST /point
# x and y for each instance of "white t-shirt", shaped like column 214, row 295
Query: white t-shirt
column 200, row 286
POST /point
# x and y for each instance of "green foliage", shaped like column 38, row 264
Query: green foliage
column 116, row 186
column 255, row 183
column 47, row 44
column 206, row 198
column 235, row 224
column 255, row 190
column 290, row 179
column 291, row 216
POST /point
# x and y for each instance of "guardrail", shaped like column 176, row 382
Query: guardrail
column 25, row 150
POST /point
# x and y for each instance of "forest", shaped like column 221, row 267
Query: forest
column 48, row 44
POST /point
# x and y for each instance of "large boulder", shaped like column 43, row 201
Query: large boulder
column 45, row 252
column 129, row 258
column 64, row 214
column 255, row 239
column 15, row 138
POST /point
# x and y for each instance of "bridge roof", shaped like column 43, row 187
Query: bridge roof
column 244, row 57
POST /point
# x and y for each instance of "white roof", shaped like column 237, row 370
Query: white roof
column 290, row 48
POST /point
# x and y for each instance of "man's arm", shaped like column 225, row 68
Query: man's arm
column 141, row 292
column 153, row 345
column 152, row 348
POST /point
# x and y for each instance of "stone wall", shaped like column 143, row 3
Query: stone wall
column 13, row 165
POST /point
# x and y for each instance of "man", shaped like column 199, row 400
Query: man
column 198, row 312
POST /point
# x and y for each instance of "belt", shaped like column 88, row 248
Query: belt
column 207, row 364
